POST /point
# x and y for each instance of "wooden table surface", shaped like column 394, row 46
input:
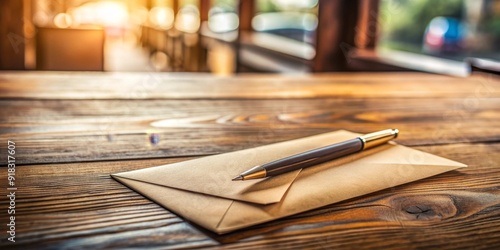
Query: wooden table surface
column 71, row 130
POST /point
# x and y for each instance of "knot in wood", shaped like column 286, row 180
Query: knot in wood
column 424, row 207
column 421, row 211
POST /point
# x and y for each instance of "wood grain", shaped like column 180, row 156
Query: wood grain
column 79, row 206
column 73, row 129
column 90, row 130
column 65, row 85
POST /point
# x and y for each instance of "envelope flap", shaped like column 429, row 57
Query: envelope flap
column 392, row 153
column 212, row 174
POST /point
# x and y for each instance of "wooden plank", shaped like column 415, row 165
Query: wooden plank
column 89, row 130
column 79, row 206
column 66, row 85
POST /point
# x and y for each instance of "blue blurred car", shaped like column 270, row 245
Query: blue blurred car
column 444, row 35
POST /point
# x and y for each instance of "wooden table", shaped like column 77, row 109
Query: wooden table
column 71, row 130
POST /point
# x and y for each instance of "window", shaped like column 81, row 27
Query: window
column 451, row 29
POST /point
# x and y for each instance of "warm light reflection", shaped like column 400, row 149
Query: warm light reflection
column 161, row 17
column 139, row 15
column 41, row 19
column 62, row 20
column 104, row 13
column 188, row 19
column 113, row 14
column 221, row 59
column 159, row 60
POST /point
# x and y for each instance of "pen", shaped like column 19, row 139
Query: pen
column 319, row 155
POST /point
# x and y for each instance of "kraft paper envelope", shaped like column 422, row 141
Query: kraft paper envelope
column 201, row 190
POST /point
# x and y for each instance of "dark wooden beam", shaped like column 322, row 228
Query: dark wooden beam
column 12, row 39
column 367, row 27
column 204, row 8
column 246, row 12
column 335, row 34
column 176, row 6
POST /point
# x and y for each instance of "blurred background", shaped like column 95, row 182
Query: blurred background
column 230, row 36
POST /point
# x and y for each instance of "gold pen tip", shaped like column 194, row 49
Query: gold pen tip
column 395, row 132
column 238, row 178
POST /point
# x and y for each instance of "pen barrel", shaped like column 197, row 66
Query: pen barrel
column 313, row 157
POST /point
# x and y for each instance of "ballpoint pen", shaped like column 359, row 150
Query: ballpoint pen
column 319, row 155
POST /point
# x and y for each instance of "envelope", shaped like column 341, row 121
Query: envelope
column 202, row 192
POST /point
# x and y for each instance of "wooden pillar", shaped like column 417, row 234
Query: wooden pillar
column 201, row 50
column 367, row 28
column 175, row 7
column 12, row 39
column 246, row 11
column 204, row 8
column 336, row 33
